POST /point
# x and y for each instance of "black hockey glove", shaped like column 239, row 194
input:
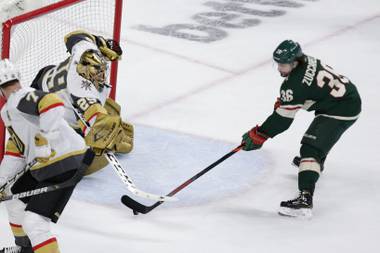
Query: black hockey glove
column 253, row 139
column 109, row 48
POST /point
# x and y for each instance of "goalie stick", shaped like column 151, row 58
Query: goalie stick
column 122, row 174
column 140, row 208
column 87, row 159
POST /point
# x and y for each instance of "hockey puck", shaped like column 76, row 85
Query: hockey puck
column 135, row 212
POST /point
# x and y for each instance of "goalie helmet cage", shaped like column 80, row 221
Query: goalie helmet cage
column 34, row 39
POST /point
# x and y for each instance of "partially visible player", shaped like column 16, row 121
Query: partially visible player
column 313, row 86
column 82, row 82
column 38, row 132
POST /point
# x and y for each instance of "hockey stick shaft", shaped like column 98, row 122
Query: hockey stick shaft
column 204, row 171
column 10, row 182
column 140, row 208
column 88, row 157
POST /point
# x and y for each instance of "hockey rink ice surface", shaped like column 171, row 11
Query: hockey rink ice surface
column 191, row 101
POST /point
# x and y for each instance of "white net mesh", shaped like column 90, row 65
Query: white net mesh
column 39, row 42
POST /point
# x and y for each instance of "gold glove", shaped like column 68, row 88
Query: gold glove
column 109, row 48
column 128, row 129
column 103, row 133
column 123, row 143
column 43, row 151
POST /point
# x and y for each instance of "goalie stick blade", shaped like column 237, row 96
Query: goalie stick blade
column 136, row 206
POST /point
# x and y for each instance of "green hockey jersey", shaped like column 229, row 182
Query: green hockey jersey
column 313, row 86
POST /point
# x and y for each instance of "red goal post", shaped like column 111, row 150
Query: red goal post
column 35, row 39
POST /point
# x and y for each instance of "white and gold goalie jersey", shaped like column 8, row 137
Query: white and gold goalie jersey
column 28, row 112
column 75, row 90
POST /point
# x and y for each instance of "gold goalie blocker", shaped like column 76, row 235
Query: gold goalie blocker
column 109, row 132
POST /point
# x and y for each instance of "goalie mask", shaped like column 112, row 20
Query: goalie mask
column 93, row 67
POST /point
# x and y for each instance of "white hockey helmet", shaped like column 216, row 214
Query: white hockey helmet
column 8, row 72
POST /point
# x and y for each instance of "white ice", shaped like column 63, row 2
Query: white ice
column 192, row 101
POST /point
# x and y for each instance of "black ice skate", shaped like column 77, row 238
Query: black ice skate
column 297, row 160
column 298, row 207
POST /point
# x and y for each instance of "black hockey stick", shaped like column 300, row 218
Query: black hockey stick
column 17, row 176
column 88, row 157
column 140, row 208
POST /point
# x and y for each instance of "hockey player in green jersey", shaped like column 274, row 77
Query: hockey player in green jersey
column 313, row 86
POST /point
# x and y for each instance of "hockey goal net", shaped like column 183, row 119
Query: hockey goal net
column 34, row 39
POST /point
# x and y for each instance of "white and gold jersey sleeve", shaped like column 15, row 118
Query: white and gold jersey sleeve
column 28, row 112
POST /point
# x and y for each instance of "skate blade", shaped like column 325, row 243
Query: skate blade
column 304, row 213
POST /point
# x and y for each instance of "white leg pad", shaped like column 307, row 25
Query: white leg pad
column 16, row 211
column 37, row 228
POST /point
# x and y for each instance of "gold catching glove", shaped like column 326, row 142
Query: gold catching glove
column 112, row 107
column 109, row 48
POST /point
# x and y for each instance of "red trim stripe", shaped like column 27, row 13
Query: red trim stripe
column 51, row 106
column 13, row 154
column 88, row 121
column 291, row 108
column 38, row 246
column 308, row 161
column 84, row 129
column 95, row 114
column 15, row 225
